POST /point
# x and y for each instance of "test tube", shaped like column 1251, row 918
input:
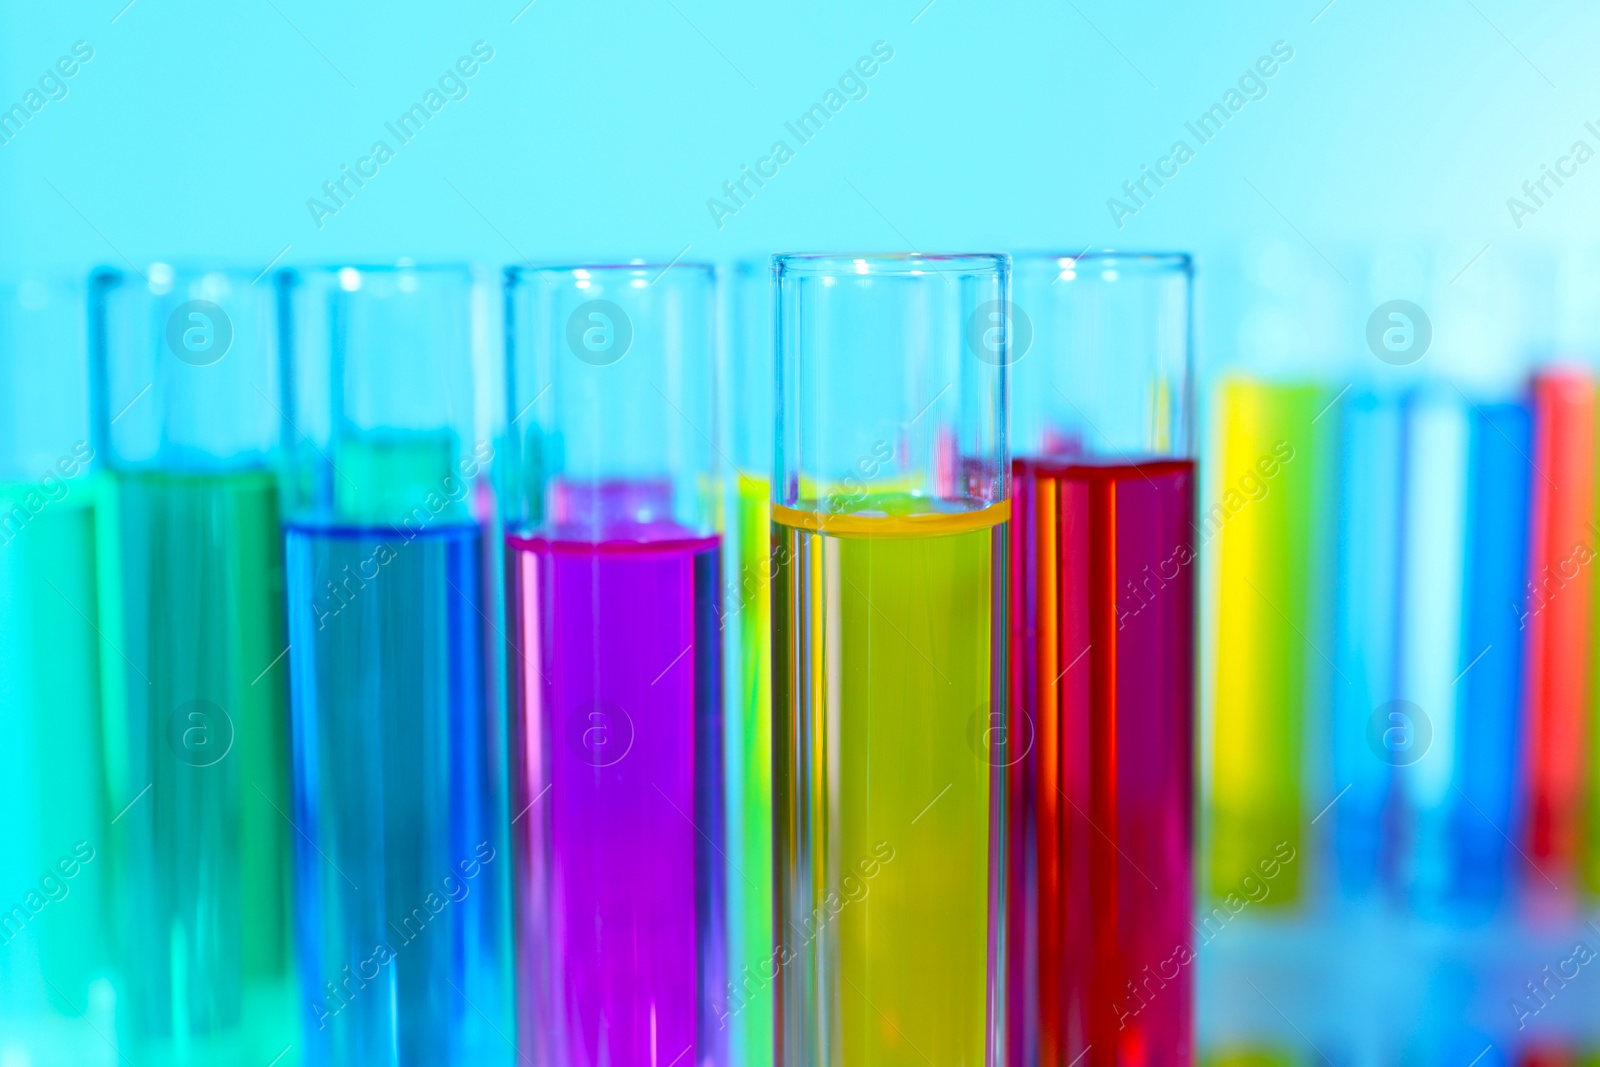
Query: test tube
column 889, row 521
column 54, row 920
column 187, row 363
column 614, row 561
column 1102, row 621
column 1557, row 615
column 402, row 869
column 1368, row 564
column 1260, row 525
column 747, row 637
column 1452, row 733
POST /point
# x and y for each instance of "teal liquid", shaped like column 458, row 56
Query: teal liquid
column 197, row 759
column 54, row 927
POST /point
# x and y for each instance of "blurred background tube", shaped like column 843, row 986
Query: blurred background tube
column 890, row 503
column 1558, row 616
column 1367, row 567
column 1452, row 730
column 747, row 641
column 615, row 588
column 400, row 799
column 187, row 362
column 55, row 929
column 1104, row 558
column 1261, row 516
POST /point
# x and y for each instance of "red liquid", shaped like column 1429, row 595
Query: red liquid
column 1102, row 617
column 1557, row 614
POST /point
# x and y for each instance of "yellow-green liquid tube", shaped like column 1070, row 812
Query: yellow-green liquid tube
column 887, row 661
column 749, row 768
column 1261, row 531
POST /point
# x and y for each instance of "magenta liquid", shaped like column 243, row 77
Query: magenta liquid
column 617, row 773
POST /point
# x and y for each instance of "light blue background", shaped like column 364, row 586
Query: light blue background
column 600, row 129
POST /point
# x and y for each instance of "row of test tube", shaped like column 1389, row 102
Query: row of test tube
column 627, row 665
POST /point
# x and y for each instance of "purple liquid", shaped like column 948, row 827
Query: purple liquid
column 618, row 780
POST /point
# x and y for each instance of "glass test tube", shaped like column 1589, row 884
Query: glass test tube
column 1453, row 733
column 614, row 564
column 1431, row 529
column 54, row 919
column 1558, row 615
column 1104, row 558
column 1368, row 563
column 1265, row 503
column 401, row 863
column 196, row 737
column 747, row 636
column 889, row 522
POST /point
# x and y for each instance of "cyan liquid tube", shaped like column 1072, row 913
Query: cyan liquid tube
column 890, row 504
column 402, row 867
column 615, row 591
column 188, row 368
column 747, row 640
column 1367, row 569
column 55, row 929
column 1105, row 560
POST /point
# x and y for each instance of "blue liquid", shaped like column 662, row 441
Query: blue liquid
column 1490, row 758
column 399, row 786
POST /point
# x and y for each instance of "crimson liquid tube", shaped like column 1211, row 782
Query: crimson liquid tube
column 1102, row 619
column 614, row 588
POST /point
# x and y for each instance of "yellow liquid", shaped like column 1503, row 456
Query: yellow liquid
column 887, row 656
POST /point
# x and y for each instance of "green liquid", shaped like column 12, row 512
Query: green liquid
column 197, row 712
column 54, row 927
column 885, row 670
column 749, row 763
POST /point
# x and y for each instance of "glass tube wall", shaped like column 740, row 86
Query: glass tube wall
column 402, row 865
column 615, row 588
column 1103, row 610
column 187, row 363
column 54, row 954
column 889, row 520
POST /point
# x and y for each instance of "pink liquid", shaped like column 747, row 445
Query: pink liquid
column 618, row 786
column 1101, row 872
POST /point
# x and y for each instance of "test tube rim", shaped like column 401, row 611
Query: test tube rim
column 890, row 263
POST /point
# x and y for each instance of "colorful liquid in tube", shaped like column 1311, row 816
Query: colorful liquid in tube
column 1105, row 560
column 890, row 718
column 400, row 802
column 614, row 592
